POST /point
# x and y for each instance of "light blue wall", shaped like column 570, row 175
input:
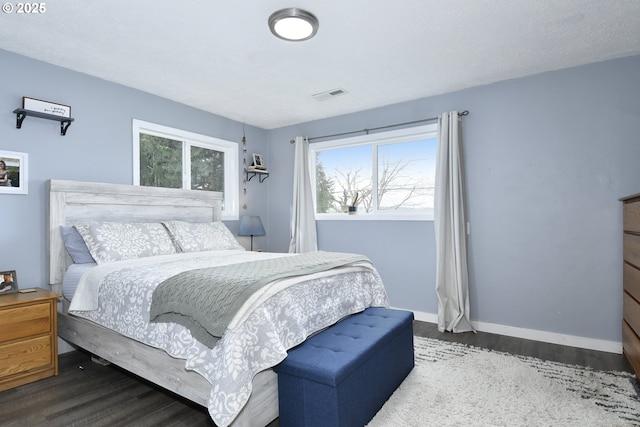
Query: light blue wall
column 547, row 158
column 97, row 147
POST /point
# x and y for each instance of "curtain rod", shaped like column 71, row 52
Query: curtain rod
column 366, row 131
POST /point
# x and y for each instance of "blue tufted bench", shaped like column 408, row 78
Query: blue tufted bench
column 343, row 375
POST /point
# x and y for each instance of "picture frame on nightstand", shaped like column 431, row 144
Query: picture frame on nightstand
column 8, row 282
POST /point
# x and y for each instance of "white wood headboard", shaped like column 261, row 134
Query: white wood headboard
column 72, row 202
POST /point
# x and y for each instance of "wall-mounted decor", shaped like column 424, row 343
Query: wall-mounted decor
column 258, row 168
column 244, row 166
column 46, row 107
column 258, row 163
column 44, row 110
column 14, row 172
column 8, row 282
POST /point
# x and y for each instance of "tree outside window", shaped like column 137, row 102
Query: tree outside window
column 172, row 158
column 389, row 174
column 160, row 162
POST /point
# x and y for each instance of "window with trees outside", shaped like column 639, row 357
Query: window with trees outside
column 386, row 175
column 173, row 158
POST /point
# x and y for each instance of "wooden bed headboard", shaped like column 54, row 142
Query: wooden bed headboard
column 73, row 202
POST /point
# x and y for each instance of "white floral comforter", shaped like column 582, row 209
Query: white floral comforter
column 118, row 296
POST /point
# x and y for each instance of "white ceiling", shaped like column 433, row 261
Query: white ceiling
column 219, row 56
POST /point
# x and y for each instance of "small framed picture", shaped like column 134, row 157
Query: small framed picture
column 8, row 282
column 14, row 170
column 258, row 162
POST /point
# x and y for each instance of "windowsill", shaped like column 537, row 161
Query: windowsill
column 374, row 217
column 230, row 217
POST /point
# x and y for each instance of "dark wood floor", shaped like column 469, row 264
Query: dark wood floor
column 88, row 394
column 558, row 353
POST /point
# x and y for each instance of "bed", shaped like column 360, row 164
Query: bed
column 72, row 203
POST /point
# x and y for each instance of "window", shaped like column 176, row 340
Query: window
column 389, row 175
column 173, row 158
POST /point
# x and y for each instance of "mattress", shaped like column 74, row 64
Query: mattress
column 72, row 277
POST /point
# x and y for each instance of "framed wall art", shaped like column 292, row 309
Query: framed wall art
column 14, row 176
column 258, row 163
column 8, row 282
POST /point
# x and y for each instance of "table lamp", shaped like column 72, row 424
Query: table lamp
column 251, row 226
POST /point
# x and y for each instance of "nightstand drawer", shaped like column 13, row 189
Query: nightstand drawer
column 21, row 322
column 28, row 337
column 25, row 355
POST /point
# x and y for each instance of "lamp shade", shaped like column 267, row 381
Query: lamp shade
column 251, row 226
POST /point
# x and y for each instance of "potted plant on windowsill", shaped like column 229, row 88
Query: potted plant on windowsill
column 353, row 207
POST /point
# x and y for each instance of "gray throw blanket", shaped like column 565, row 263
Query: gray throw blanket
column 205, row 300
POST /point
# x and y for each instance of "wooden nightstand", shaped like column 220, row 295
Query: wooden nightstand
column 28, row 337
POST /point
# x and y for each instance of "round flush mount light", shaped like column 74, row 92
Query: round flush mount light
column 293, row 24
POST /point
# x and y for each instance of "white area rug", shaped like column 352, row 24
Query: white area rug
column 456, row 385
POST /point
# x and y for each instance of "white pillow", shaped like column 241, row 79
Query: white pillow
column 201, row 236
column 115, row 241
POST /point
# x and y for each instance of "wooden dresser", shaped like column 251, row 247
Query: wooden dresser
column 28, row 337
column 631, row 280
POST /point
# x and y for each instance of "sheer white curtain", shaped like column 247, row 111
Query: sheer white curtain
column 452, row 285
column 303, row 222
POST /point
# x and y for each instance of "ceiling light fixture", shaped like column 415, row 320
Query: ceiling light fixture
column 293, row 24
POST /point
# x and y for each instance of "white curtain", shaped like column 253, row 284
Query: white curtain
column 303, row 222
column 452, row 285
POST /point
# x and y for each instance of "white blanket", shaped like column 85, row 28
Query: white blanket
column 281, row 316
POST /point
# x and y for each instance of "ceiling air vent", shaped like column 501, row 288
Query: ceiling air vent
column 323, row 96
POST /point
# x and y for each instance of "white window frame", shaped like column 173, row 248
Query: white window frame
column 231, row 196
column 403, row 135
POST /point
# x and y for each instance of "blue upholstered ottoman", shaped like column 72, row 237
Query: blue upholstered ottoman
column 343, row 375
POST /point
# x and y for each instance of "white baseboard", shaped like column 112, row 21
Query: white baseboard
column 532, row 334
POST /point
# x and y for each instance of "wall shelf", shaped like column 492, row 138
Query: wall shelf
column 21, row 113
column 262, row 175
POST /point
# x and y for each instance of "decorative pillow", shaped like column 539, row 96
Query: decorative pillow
column 202, row 236
column 115, row 241
column 76, row 247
